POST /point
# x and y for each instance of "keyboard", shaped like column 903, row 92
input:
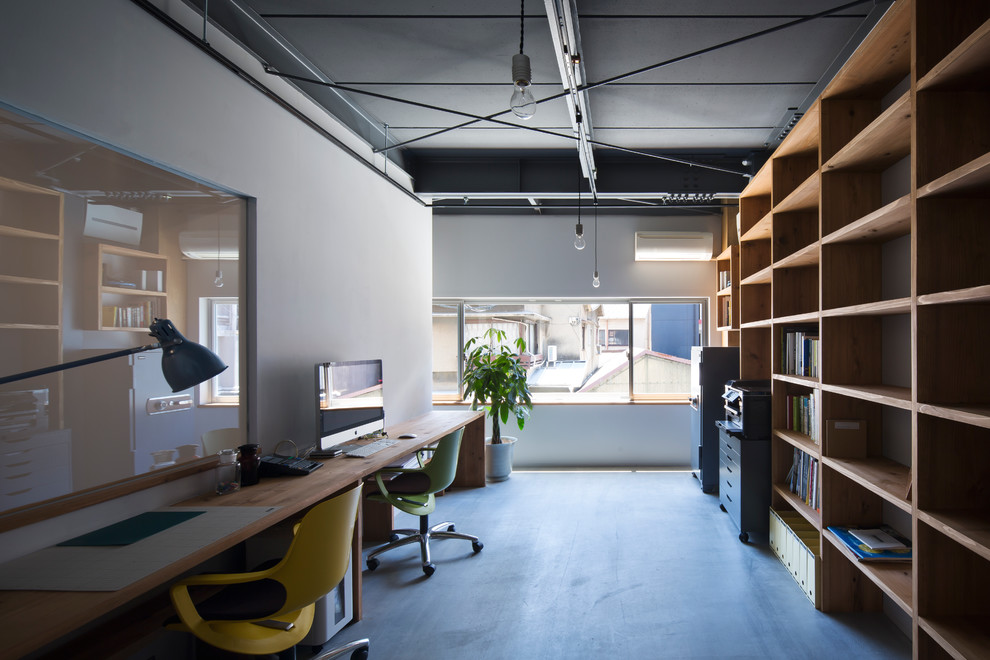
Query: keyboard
column 363, row 451
column 271, row 466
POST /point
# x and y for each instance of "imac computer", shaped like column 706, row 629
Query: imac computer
column 350, row 401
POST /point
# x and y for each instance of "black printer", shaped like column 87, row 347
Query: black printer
column 747, row 407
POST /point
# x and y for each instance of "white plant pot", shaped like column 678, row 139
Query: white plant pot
column 498, row 459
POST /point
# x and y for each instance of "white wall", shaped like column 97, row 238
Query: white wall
column 534, row 256
column 342, row 265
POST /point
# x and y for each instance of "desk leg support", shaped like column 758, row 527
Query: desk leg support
column 357, row 563
column 471, row 459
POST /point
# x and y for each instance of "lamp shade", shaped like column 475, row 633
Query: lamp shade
column 184, row 363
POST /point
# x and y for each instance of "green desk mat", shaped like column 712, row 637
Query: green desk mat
column 133, row 529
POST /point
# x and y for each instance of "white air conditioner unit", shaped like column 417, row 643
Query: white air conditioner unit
column 207, row 243
column 113, row 223
column 673, row 246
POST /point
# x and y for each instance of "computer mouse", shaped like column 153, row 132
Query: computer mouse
column 407, row 436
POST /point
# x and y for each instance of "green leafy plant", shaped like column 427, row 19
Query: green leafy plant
column 495, row 379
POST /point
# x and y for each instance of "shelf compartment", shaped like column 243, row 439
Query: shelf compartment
column 954, row 589
column 759, row 231
column 957, row 637
column 886, row 140
column 782, row 495
column 804, row 381
column 953, row 242
column 754, row 257
column 849, row 196
column 956, row 379
column 754, row 353
column 954, row 48
column 803, row 138
column 754, row 303
column 972, row 294
column 804, row 197
column 753, row 209
column 868, row 357
column 797, row 361
column 795, row 291
column 897, row 397
column 30, row 256
column 951, row 480
column 890, row 221
column 973, row 415
column 32, row 211
column 965, row 66
column 30, row 303
column 952, row 155
column 882, row 60
column 865, row 273
column 970, row 177
column 794, row 233
column 806, row 256
column 892, row 578
column 799, row 440
column 879, row 475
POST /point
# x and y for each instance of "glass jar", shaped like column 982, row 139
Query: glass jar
column 249, row 464
column 228, row 472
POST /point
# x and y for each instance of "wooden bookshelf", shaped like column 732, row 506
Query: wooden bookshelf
column 869, row 224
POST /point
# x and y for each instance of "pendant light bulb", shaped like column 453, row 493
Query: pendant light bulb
column 579, row 241
column 596, row 282
column 218, row 280
column 522, row 102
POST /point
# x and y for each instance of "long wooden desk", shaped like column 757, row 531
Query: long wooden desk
column 29, row 620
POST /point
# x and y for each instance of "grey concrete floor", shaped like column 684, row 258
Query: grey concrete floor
column 600, row 564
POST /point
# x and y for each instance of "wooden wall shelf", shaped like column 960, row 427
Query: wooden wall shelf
column 894, row 175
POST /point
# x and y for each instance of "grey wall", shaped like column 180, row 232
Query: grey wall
column 342, row 264
column 534, row 256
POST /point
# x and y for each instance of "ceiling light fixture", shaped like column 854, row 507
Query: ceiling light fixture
column 522, row 102
column 596, row 282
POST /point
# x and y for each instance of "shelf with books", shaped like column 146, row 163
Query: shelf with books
column 892, row 578
column 132, row 289
column 783, row 497
column 727, row 296
column 798, row 349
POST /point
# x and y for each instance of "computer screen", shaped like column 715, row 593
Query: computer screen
column 350, row 400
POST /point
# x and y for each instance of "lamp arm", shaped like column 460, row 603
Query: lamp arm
column 78, row 363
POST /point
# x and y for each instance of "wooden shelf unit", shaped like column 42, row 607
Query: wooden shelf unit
column 31, row 284
column 727, row 285
column 132, row 288
column 869, row 225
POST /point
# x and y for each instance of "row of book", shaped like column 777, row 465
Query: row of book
column 802, row 414
column 140, row 315
column 724, row 279
column 800, row 352
column 883, row 543
column 803, row 479
column 725, row 318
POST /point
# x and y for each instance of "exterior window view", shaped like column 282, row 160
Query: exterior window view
column 578, row 350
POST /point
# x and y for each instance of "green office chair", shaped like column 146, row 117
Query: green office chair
column 413, row 491
column 269, row 611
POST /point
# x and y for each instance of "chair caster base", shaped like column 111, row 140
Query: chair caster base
column 373, row 563
column 429, row 569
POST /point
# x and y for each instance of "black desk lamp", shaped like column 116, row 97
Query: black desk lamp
column 184, row 363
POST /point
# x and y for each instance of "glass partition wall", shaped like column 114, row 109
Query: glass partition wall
column 94, row 245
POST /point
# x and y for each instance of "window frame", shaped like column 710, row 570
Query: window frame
column 630, row 396
column 208, row 390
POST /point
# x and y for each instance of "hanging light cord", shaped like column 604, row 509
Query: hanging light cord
column 596, row 236
column 522, row 16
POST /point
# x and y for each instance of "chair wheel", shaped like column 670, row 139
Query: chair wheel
column 477, row 546
column 373, row 563
column 744, row 537
column 451, row 528
column 393, row 538
column 429, row 569
column 360, row 654
column 722, row 506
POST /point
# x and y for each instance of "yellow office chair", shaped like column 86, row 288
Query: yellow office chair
column 413, row 492
column 270, row 611
column 217, row 439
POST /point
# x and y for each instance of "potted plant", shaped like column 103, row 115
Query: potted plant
column 495, row 379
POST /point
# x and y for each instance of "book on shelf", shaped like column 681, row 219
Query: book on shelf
column 865, row 552
column 802, row 412
column 803, row 479
column 799, row 352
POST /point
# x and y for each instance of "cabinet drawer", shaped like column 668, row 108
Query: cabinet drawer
column 729, row 446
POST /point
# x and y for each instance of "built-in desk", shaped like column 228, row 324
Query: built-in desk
column 29, row 620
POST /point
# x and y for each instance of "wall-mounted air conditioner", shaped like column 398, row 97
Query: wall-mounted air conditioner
column 673, row 246
column 113, row 223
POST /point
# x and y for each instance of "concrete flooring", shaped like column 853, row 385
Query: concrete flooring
column 600, row 564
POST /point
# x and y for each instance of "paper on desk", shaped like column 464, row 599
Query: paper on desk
column 109, row 568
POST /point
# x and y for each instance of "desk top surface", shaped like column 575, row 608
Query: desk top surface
column 31, row 619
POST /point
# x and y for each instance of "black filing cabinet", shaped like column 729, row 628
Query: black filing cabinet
column 744, row 481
